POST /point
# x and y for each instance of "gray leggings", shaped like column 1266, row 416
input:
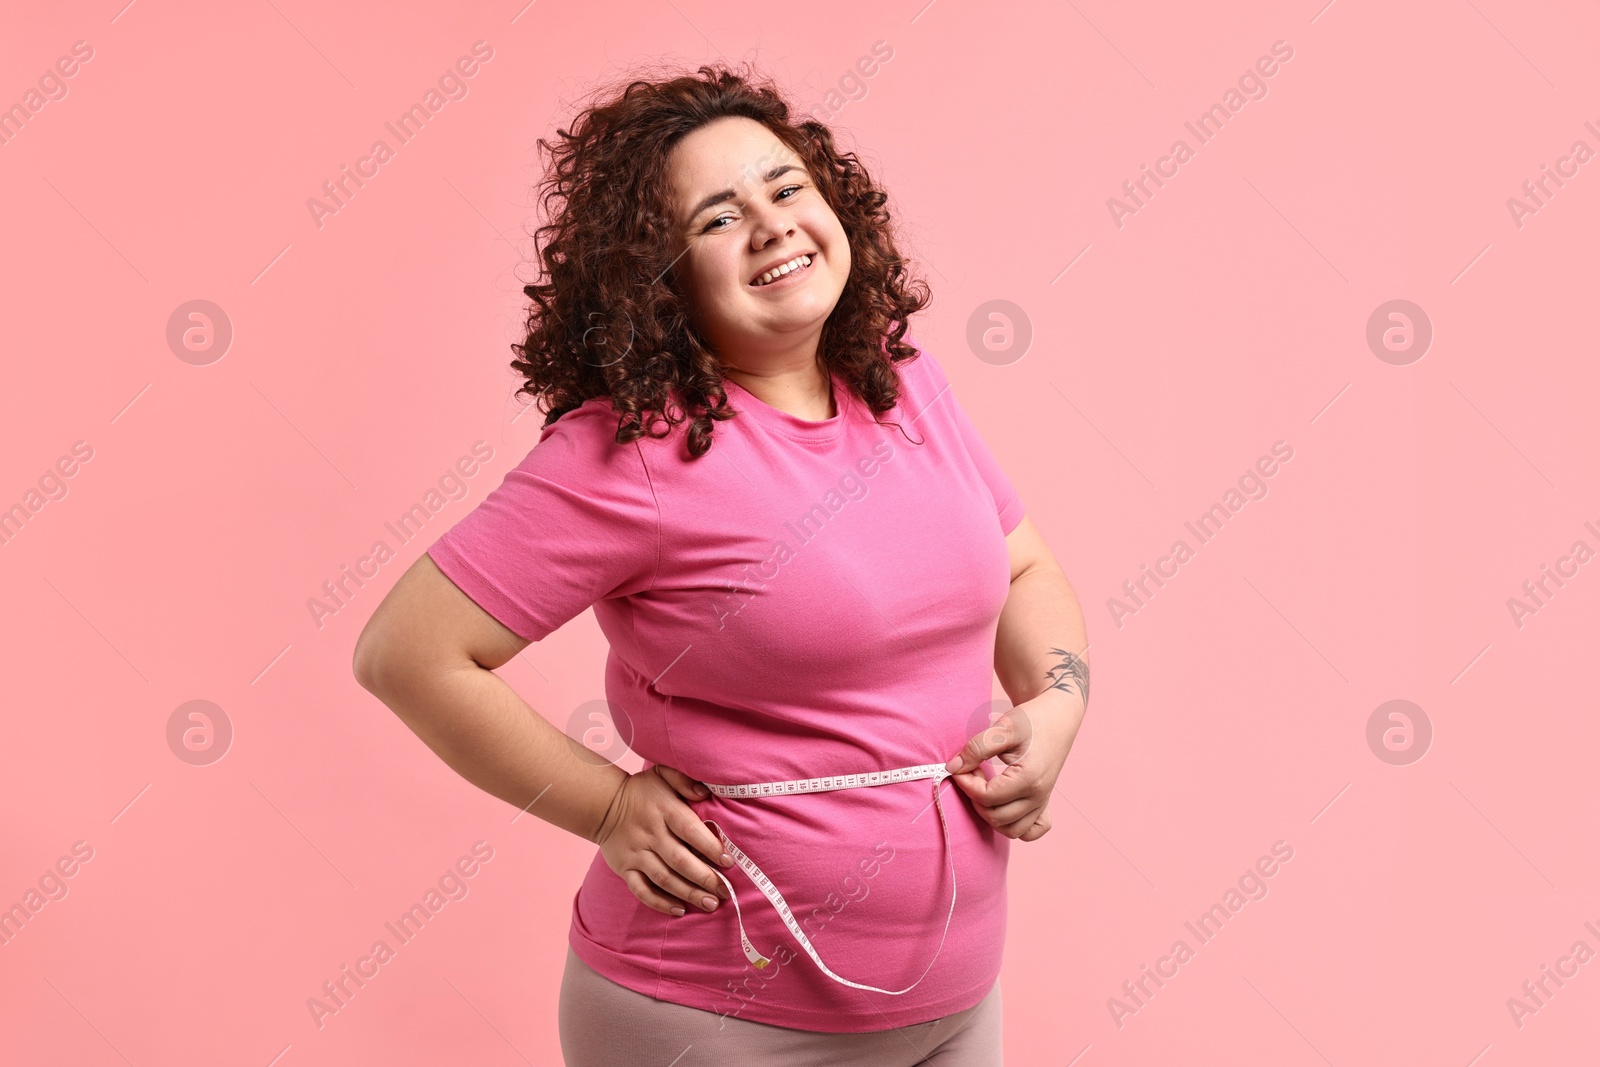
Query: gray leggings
column 604, row 1024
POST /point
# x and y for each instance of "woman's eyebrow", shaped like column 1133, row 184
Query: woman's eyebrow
column 728, row 194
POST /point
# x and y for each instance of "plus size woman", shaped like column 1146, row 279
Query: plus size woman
column 809, row 568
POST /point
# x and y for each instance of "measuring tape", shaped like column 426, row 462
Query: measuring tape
column 935, row 771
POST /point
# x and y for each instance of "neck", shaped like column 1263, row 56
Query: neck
column 804, row 390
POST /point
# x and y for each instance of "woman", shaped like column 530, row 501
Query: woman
column 808, row 566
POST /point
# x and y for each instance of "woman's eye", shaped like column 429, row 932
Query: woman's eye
column 712, row 225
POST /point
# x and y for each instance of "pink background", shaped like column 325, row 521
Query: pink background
column 1229, row 312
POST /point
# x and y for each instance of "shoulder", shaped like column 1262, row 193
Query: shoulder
column 595, row 416
column 581, row 447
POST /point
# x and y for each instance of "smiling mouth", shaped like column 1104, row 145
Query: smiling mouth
column 795, row 266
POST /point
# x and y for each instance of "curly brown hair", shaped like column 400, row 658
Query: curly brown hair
column 602, row 324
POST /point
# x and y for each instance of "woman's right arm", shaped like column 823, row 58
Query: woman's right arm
column 429, row 653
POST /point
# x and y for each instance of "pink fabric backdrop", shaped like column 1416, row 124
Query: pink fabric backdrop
column 188, row 485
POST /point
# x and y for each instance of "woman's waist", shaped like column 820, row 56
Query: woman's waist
column 811, row 843
column 860, row 807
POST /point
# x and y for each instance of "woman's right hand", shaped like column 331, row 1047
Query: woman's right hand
column 658, row 845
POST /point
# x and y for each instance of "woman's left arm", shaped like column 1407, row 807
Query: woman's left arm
column 1041, row 658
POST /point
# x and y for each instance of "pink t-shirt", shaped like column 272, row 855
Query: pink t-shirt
column 807, row 599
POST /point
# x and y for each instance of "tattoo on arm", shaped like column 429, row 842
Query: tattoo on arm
column 1070, row 675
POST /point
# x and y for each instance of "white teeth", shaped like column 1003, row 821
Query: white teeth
column 784, row 268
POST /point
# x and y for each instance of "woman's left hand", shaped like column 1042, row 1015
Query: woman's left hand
column 1032, row 740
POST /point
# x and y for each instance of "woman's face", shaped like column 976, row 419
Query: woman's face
column 746, row 205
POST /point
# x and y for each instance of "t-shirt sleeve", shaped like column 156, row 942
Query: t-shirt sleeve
column 574, row 523
column 1008, row 504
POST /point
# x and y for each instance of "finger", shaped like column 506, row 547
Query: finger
column 965, row 781
column 649, row 895
column 1013, row 730
column 1011, row 782
column 1008, row 820
column 973, row 784
column 691, row 866
column 1022, row 732
column 688, row 828
column 685, row 786
column 979, row 747
column 1020, row 826
column 1004, row 787
column 683, row 823
column 1040, row 827
column 689, row 860
column 673, row 884
column 1005, row 814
